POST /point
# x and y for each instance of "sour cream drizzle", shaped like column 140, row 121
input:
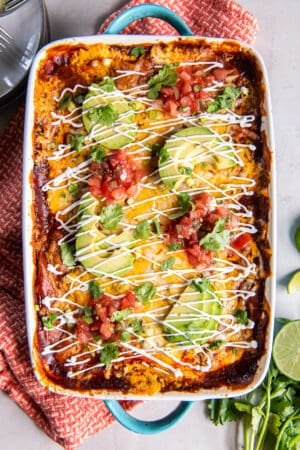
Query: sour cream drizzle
column 152, row 343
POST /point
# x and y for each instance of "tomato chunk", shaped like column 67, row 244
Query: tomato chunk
column 242, row 241
column 116, row 178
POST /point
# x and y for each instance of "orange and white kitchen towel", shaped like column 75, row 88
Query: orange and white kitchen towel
column 70, row 420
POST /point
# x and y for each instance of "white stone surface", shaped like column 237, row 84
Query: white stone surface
column 279, row 44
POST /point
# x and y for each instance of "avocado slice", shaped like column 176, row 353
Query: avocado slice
column 97, row 252
column 122, row 130
column 188, row 320
column 188, row 148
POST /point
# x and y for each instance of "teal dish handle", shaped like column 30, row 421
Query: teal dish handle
column 148, row 10
column 115, row 27
column 143, row 426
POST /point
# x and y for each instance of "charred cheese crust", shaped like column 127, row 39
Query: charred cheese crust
column 146, row 361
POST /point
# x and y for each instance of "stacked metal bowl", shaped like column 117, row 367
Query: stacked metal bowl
column 23, row 30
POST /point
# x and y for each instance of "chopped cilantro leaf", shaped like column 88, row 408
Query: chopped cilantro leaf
column 95, row 289
column 185, row 204
column 87, row 314
column 110, row 216
column 142, row 230
column 145, row 292
column 49, row 320
column 109, row 352
column 224, row 100
column 156, row 226
column 125, row 336
column 164, row 155
column 167, row 264
column 241, row 316
column 136, row 326
column 166, row 76
column 201, row 285
column 218, row 238
column 216, row 344
column 175, row 246
column 106, row 115
column 73, row 189
column 67, row 254
column 137, row 51
column 186, row 171
column 77, row 141
column 156, row 149
column 79, row 99
column 98, row 153
column 65, row 102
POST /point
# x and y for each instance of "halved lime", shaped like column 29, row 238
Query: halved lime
column 286, row 350
column 297, row 238
column 294, row 283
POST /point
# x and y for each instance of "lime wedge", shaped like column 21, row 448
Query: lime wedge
column 286, row 350
column 294, row 283
column 297, row 238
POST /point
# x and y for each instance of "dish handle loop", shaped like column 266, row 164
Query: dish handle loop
column 148, row 10
column 143, row 426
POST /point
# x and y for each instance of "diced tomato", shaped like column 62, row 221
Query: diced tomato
column 198, row 221
column 82, row 331
column 106, row 330
column 116, row 178
column 242, row 241
column 129, row 300
column 198, row 256
column 189, row 93
column 170, row 106
column 203, row 95
column 220, row 74
column 213, row 216
column 202, row 205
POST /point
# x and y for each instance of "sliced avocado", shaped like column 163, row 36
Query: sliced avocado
column 116, row 262
column 122, row 131
column 97, row 252
column 190, row 318
column 190, row 147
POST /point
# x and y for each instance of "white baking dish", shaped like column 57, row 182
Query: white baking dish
column 29, row 263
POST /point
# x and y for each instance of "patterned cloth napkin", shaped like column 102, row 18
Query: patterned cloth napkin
column 70, row 420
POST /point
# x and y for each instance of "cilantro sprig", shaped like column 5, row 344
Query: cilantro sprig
column 103, row 115
column 98, row 153
column 167, row 264
column 166, row 76
column 49, row 321
column 142, row 230
column 110, row 216
column 224, row 100
column 218, row 238
column 77, row 141
column 145, row 292
column 270, row 414
column 95, row 290
column 137, row 51
column 185, row 203
column 201, row 285
column 109, row 352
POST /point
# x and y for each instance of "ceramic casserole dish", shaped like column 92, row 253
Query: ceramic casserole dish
column 149, row 217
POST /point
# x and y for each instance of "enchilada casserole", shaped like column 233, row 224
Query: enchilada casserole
column 150, row 217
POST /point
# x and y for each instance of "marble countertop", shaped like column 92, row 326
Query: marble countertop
column 278, row 43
